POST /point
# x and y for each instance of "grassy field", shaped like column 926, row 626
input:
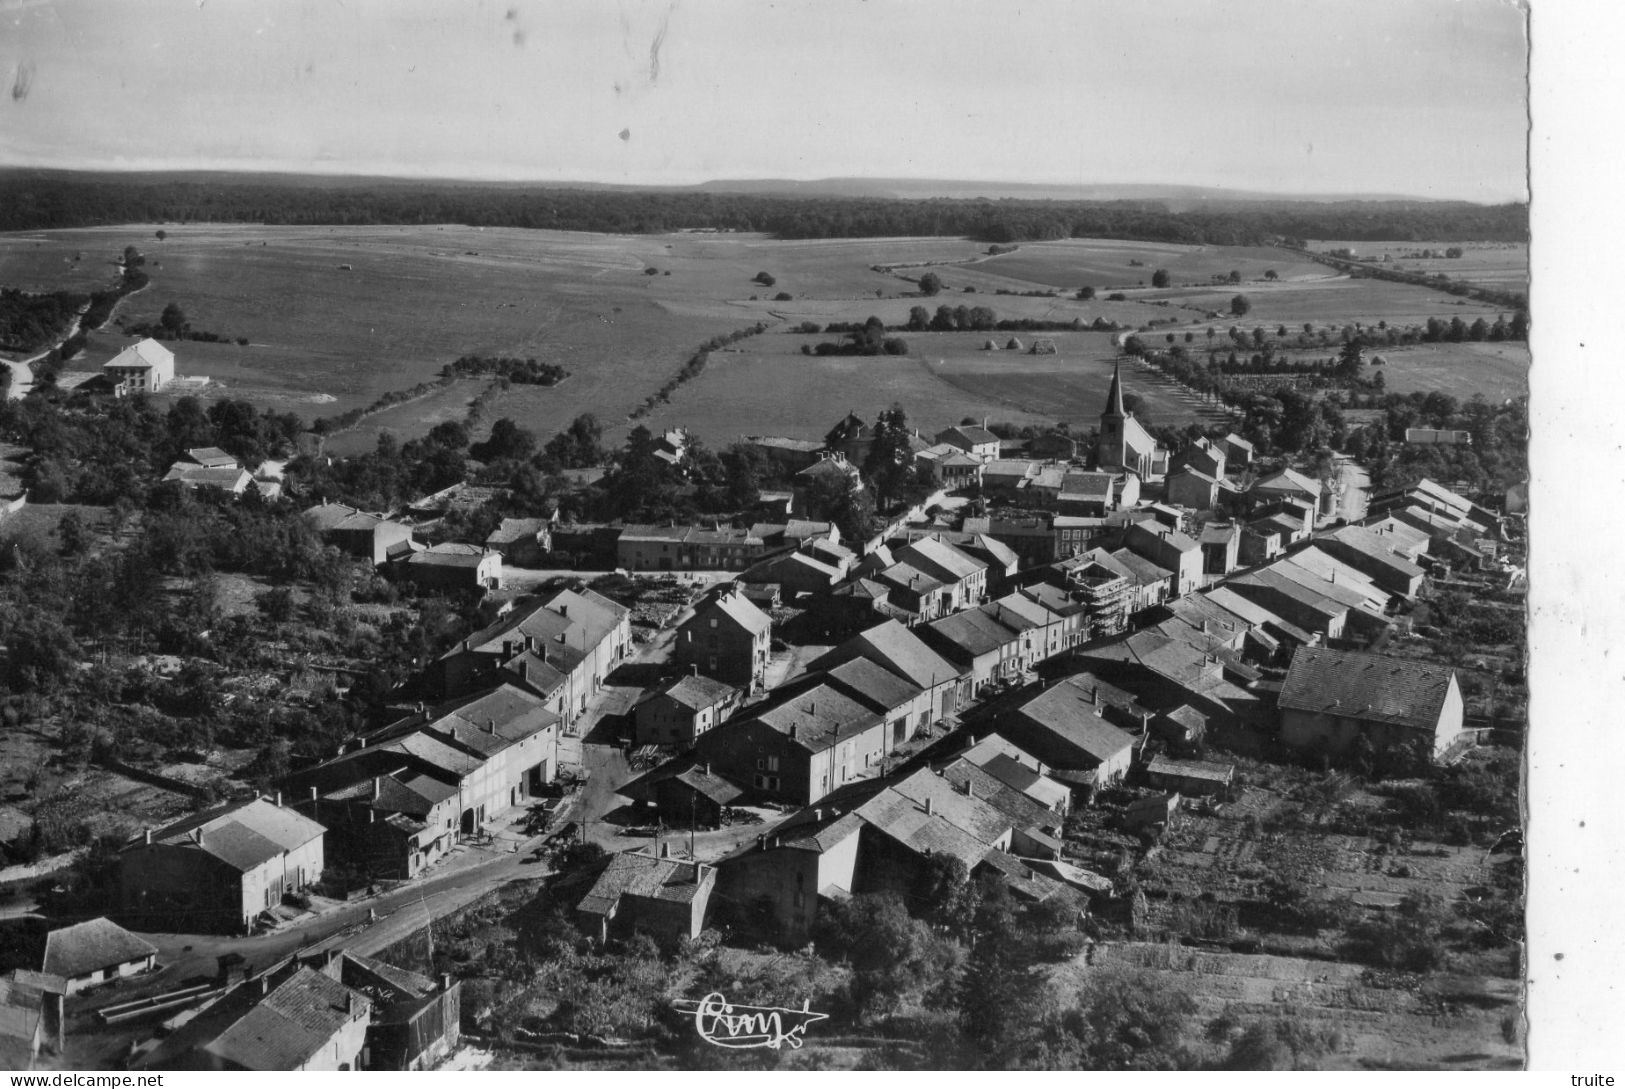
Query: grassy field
column 1500, row 265
column 337, row 316
column 770, row 387
column 1498, row 371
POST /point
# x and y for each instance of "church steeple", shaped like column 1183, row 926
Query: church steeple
column 1114, row 396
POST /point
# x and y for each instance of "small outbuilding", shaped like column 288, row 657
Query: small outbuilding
column 96, row 951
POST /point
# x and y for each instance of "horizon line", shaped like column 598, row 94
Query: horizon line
column 318, row 171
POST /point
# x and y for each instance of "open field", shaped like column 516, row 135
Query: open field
column 1503, row 266
column 325, row 338
column 1498, row 371
column 1105, row 263
column 769, row 387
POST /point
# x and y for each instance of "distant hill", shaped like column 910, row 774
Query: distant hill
column 928, row 189
column 995, row 212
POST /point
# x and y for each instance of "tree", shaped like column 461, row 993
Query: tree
column 1270, row 274
column 508, row 441
column 1235, row 276
column 930, row 284
column 919, row 319
column 1240, row 305
column 1159, row 278
column 765, row 279
column 161, row 235
column 173, row 320
column 1086, row 293
column 72, row 534
column 451, row 434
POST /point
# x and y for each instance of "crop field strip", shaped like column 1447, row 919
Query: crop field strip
column 325, row 339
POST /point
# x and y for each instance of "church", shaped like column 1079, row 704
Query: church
column 1124, row 442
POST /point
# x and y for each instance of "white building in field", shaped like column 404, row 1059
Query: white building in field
column 143, row 367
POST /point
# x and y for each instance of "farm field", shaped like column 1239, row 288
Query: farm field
column 769, row 387
column 1105, row 263
column 325, row 338
column 1500, row 265
column 1498, row 371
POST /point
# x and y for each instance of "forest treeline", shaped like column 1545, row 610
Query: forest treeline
column 35, row 200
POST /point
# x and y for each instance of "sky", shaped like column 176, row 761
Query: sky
column 1416, row 97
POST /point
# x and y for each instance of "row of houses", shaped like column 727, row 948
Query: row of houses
column 322, row 1011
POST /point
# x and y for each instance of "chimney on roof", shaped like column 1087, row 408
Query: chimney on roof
column 279, row 799
column 377, row 787
column 146, row 836
column 490, row 725
column 265, row 984
column 564, row 609
column 792, row 731
column 445, row 982
column 761, row 841
column 928, row 806
column 197, row 835
column 665, row 850
column 970, row 789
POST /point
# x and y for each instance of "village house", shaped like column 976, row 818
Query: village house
column 213, row 469
column 292, row 1017
column 800, row 746
column 1205, row 456
column 1221, row 547
column 560, row 648
column 1069, row 726
column 1105, row 589
column 221, row 867
column 878, row 837
column 392, row 825
column 97, row 951
column 685, row 793
column 897, row 649
column 687, row 548
column 1237, row 450
column 144, row 367
column 728, row 638
column 522, row 542
column 829, row 471
column 1019, row 770
column 512, row 736
column 932, row 578
column 1007, row 479
column 976, row 441
column 415, row 1021
column 1291, row 484
column 1094, row 494
column 1433, row 436
column 1124, row 442
column 851, row 438
column 1368, row 552
column 678, row 712
column 796, row 573
column 1192, row 778
column 951, row 468
column 371, row 537
column 1332, row 697
column 1170, row 549
column 1190, row 487
column 1165, row 671
column 451, row 567
column 648, row 891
